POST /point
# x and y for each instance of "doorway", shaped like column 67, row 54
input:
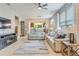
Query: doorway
column 17, row 25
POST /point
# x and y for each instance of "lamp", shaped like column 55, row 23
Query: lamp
column 72, row 34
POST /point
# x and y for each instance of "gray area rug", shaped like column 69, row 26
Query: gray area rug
column 32, row 47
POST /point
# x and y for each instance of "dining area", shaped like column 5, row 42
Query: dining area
column 71, row 46
column 70, row 49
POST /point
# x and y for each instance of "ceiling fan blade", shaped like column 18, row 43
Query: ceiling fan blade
column 39, row 4
column 45, row 5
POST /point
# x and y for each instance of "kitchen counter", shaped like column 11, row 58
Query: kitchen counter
column 6, row 34
column 7, row 39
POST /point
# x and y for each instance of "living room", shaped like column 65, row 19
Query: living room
column 53, row 28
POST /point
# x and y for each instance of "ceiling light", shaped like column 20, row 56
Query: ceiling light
column 39, row 8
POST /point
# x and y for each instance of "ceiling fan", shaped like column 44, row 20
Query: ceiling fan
column 8, row 4
column 42, row 6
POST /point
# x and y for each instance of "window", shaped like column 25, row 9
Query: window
column 54, row 24
column 38, row 25
column 70, row 16
column 0, row 24
column 62, row 19
column 66, row 16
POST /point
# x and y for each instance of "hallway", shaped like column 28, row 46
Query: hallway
column 32, row 47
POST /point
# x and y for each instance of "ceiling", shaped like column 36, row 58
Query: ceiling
column 29, row 10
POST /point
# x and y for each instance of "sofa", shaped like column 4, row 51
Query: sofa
column 37, row 35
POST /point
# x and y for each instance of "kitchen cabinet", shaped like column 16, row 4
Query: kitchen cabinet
column 5, row 23
column 7, row 39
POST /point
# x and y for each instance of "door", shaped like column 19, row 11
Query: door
column 17, row 25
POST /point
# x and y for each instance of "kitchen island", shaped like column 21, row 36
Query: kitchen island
column 7, row 39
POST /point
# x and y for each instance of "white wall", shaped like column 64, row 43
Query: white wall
column 7, row 13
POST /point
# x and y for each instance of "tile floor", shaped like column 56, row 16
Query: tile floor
column 33, row 47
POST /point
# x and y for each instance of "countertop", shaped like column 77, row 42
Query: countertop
column 4, row 32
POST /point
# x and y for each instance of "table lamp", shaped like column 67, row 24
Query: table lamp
column 72, row 31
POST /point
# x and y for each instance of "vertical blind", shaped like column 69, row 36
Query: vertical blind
column 67, row 17
column 70, row 15
column 62, row 19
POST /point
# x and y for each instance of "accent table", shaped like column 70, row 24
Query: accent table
column 69, row 47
